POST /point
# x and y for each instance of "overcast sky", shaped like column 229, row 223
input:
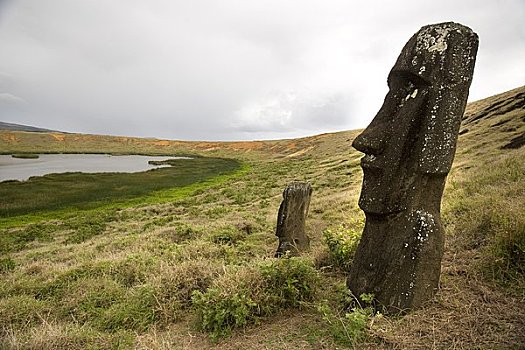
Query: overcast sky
column 228, row 70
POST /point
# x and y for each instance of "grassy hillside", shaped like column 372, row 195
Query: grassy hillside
column 197, row 271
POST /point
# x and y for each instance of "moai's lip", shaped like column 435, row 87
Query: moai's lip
column 369, row 161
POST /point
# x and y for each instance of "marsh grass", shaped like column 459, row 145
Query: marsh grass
column 25, row 156
column 86, row 191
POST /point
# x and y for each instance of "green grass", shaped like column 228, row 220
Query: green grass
column 43, row 198
column 86, row 191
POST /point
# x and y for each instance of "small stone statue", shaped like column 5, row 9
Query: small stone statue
column 409, row 147
column 291, row 219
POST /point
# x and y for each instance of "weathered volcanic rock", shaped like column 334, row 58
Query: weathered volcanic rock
column 291, row 219
column 409, row 147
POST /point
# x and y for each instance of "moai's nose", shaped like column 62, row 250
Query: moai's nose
column 371, row 141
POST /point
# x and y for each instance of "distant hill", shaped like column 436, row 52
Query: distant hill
column 496, row 122
column 19, row 127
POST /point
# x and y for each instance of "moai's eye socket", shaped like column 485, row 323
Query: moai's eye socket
column 405, row 80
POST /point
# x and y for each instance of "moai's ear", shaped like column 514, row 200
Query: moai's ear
column 450, row 79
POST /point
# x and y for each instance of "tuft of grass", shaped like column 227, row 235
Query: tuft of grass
column 129, row 271
column 229, row 235
column 7, row 264
column 52, row 335
column 87, row 227
column 175, row 285
column 19, row 311
column 137, row 311
column 88, row 299
column 506, row 246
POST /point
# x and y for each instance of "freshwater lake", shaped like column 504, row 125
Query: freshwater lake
column 22, row 169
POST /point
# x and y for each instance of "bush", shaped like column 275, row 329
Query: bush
column 219, row 313
column 288, row 282
column 228, row 303
column 342, row 243
column 243, row 295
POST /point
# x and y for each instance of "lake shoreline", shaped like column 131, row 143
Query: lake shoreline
column 25, row 166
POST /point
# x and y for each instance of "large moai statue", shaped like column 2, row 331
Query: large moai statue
column 409, row 147
column 291, row 219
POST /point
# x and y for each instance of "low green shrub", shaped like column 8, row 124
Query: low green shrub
column 342, row 243
column 245, row 294
column 220, row 312
column 288, row 282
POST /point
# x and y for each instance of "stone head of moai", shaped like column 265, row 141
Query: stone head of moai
column 409, row 147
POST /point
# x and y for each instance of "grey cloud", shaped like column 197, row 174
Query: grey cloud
column 10, row 98
column 232, row 69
